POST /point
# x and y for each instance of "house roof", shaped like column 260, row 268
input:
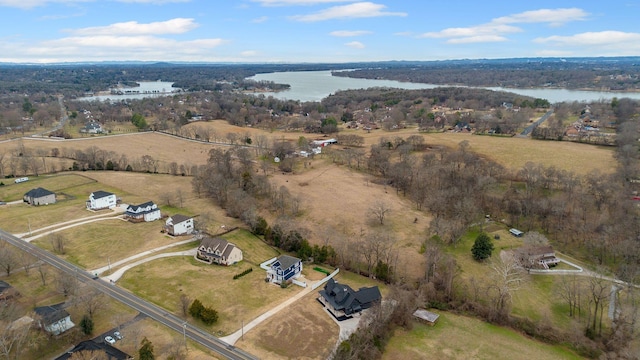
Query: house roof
column 214, row 243
column 100, row 194
column 4, row 286
column 287, row 261
column 426, row 315
column 38, row 193
column 136, row 207
column 51, row 313
column 111, row 352
column 178, row 218
column 539, row 250
column 343, row 297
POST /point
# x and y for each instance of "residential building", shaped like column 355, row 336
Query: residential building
column 92, row 127
column 178, row 224
column 143, row 212
column 54, row 319
column 101, row 200
column 344, row 302
column 39, row 196
column 284, row 268
column 7, row 291
column 100, row 350
column 218, row 251
column 537, row 257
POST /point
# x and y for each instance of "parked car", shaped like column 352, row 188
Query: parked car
column 110, row 340
column 117, row 335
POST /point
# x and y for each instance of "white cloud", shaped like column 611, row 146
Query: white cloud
column 555, row 17
column 173, row 26
column 297, row 2
column 602, row 38
column 356, row 10
column 29, row 4
column 348, row 33
column 602, row 43
column 475, row 31
column 153, row 2
column 355, row 45
column 249, row 53
column 496, row 29
column 477, row 39
column 260, row 20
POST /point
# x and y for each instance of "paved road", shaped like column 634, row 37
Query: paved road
column 162, row 316
column 530, row 128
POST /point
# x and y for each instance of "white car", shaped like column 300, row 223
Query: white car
column 110, row 340
column 117, row 335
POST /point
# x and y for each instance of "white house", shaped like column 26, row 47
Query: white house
column 101, row 200
column 218, row 251
column 54, row 319
column 143, row 212
column 178, row 224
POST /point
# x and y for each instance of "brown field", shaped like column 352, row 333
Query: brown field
column 302, row 331
column 512, row 153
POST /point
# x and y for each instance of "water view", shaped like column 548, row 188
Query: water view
column 316, row 85
column 145, row 90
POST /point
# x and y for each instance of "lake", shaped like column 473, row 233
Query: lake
column 316, row 85
column 145, row 90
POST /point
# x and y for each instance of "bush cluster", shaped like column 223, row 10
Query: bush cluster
column 208, row 315
column 239, row 275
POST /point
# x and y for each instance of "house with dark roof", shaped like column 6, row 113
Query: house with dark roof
column 7, row 291
column 99, row 350
column 537, row 257
column 178, row 224
column 101, row 200
column 344, row 302
column 92, row 127
column 39, row 196
column 284, row 268
column 143, row 212
column 218, row 251
column 54, row 319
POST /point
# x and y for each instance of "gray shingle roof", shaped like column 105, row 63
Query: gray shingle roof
column 38, row 193
column 287, row 261
column 100, row 194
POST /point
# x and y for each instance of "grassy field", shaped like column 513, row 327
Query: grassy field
column 460, row 337
column 92, row 245
column 163, row 281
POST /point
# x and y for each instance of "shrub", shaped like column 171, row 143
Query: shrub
column 237, row 276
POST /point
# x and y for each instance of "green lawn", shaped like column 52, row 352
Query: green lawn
column 461, row 337
column 162, row 282
column 254, row 250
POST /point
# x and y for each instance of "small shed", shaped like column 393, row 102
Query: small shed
column 426, row 316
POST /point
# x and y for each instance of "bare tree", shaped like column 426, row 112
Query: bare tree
column 183, row 304
column 42, row 271
column 90, row 299
column 570, row 289
column 12, row 339
column 66, row 284
column 58, row 242
column 508, row 276
column 8, row 257
column 379, row 211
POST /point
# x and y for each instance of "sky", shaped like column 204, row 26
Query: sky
column 324, row 31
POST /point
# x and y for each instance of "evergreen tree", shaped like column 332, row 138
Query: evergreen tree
column 146, row 350
column 86, row 324
column 482, row 247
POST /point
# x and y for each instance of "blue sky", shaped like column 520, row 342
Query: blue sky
column 293, row 31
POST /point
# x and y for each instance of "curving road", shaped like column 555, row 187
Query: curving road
column 155, row 312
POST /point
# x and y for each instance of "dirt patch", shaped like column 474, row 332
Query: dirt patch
column 303, row 331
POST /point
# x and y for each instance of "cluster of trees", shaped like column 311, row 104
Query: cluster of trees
column 569, row 73
column 208, row 315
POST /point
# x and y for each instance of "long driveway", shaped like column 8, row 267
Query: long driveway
column 155, row 312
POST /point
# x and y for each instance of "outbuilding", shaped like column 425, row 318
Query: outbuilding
column 39, row 196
